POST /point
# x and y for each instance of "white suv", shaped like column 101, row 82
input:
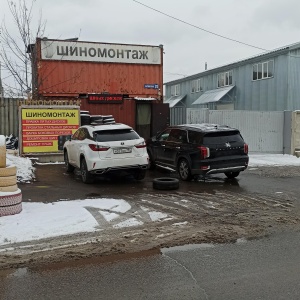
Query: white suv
column 106, row 149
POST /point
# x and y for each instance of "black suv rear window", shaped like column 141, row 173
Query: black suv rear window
column 216, row 138
column 115, row 135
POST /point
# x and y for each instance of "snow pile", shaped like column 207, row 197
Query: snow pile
column 25, row 170
column 12, row 142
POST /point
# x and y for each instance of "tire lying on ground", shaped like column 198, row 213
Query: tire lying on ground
column 165, row 183
column 10, row 203
column 8, row 171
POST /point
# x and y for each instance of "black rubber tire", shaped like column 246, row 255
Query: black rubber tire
column 232, row 175
column 85, row 119
column 11, row 204
column 139, row 175
column 86, row 176
column 151, row 162
column 165, row 183
column 184, row 170
column 69, row 167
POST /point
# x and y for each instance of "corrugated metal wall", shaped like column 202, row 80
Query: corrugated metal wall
column 177, row 115
column 68, row 78
column 294, row 80
column 9, row 116
column 278, row 93
column 263, row 131
column 123, row 113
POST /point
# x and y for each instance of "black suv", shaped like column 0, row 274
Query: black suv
column 199, row 149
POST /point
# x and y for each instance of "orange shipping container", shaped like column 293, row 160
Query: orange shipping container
column 70, row 68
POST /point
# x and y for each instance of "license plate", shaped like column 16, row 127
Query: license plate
column 122, row 150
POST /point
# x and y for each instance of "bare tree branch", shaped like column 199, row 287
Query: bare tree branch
column 13, row 48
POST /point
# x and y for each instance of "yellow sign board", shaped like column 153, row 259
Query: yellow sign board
column 45, row 130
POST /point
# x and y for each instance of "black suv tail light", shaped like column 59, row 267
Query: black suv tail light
column 246, row 148
column 204, row 152
column 98, row 147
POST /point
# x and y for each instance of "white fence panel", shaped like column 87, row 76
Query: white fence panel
column 262, row 130
column 196, row 116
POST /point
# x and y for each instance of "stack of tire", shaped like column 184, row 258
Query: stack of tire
column 85, row 117
column 101, row 119
column 10, row 194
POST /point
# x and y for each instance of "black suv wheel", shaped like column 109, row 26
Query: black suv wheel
column 232, row 174
column 184, row 170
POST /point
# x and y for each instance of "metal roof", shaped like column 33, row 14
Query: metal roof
column 213, row 95
column 284, row 49
column 174, row 100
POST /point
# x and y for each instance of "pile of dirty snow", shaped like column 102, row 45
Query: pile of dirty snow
column 25, row 170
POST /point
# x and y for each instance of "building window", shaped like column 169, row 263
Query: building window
column 199, row 85
column 263, row 70
column 225, row 79
column 193, row 86
column 196, row 85
column 175, row 90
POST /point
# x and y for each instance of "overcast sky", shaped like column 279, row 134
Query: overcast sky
column 266, row 24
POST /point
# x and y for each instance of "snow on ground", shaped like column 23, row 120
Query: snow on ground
column 260, row 160
column 44, row 220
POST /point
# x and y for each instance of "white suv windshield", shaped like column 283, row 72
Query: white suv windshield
column 115, row 135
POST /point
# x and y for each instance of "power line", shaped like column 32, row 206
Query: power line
column 200, row 28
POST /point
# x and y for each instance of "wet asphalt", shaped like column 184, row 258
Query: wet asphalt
column 53, row 183
column 261, row 269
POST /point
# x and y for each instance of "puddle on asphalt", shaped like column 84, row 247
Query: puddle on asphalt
column 78, row 263
column 187, row 248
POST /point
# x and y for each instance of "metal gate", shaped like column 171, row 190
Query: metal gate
column 262, row 130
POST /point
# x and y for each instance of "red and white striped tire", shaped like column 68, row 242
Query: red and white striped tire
column 11, row 204
column 10, row 210
column 8, row 180
column 8, row 171
column 10, row 188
